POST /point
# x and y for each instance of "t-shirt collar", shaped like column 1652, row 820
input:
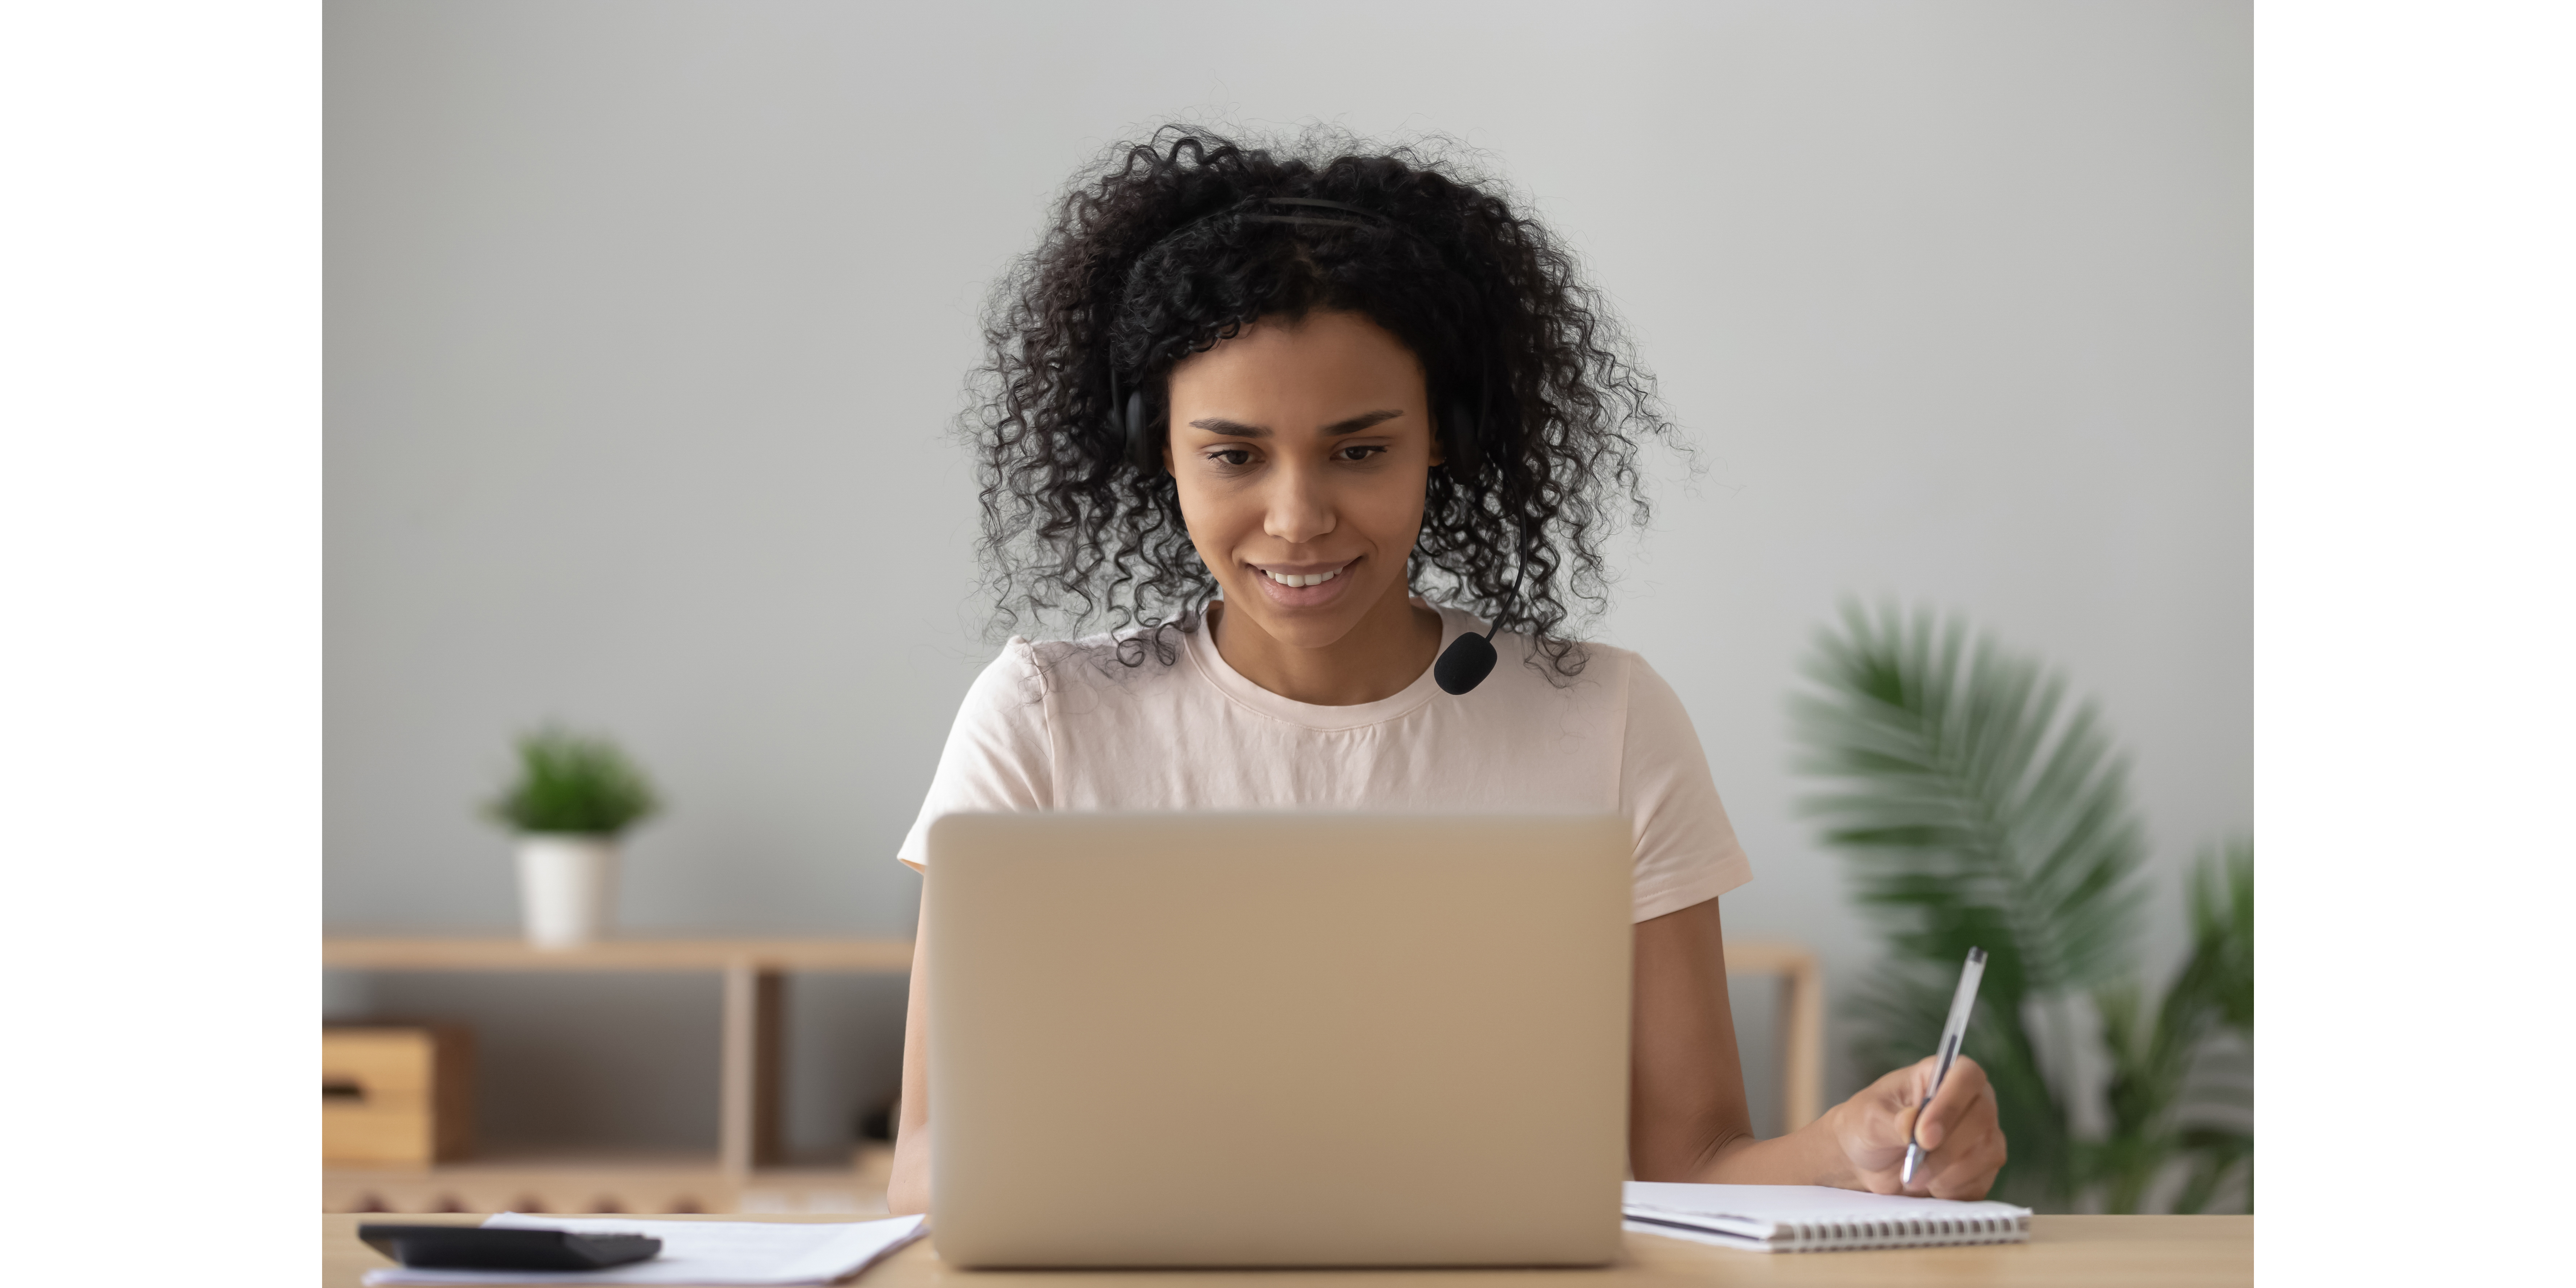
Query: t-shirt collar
column 1201, row 646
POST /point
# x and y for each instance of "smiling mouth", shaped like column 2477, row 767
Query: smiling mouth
column 1301, row 579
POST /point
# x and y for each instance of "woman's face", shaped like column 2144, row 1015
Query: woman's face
column 1302, row 451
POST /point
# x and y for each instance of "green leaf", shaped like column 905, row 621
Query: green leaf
column 2171, row 1074
column 2215, row 1156
column 573, row 784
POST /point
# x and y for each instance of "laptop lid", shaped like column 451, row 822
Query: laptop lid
column 1277, row 1039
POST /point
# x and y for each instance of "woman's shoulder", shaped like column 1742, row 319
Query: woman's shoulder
column 1111, row 659
column 1586, row 670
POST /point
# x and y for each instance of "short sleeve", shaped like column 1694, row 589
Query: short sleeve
column 1686, row 849
column 998, row 757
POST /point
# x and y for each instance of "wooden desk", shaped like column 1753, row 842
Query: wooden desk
column 2064, row 1252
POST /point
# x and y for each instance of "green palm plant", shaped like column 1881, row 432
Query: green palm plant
column 2182, row 1078
column 1977, row 806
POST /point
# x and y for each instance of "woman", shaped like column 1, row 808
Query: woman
column 1295, row 425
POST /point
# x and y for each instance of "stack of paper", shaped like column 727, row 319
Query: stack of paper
column 701, row 1252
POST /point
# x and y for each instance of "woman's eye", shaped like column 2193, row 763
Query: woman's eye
column 1358, row 452
column 1233, row 456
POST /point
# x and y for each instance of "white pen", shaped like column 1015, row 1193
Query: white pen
column 1953, row 1031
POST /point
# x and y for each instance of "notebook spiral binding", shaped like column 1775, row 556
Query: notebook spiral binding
column 1834, row 1236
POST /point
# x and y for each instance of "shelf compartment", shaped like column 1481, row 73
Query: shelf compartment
column 754, row 973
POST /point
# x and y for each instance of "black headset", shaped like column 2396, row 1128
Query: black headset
column 1470, row 657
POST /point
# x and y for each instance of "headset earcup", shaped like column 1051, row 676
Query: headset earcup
column 1458, row 439
column 1141, row 449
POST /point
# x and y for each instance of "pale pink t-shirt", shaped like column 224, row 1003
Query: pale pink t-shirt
column 1065, row 726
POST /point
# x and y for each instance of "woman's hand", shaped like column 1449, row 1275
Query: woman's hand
column 1687, row 1119
column 1963, row 1144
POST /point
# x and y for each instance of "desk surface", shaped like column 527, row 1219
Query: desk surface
column 2068, row 1251
column 417, row 953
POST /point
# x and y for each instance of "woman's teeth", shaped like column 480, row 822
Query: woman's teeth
column 1310, row 579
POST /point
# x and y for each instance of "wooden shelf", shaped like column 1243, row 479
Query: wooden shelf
column 751, row 1039
column 861, row 956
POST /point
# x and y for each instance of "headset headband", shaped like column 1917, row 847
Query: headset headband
column 1367, row 218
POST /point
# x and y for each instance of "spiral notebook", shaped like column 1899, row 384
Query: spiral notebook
column 1813, row 1218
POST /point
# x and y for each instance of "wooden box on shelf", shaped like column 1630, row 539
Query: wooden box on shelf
column 397, row 1095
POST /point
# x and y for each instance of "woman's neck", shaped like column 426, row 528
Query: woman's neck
column 1387, row 651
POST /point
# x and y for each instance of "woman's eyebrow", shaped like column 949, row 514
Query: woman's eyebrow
column 1229, row 428
column 1237, row 429
column 1357, row 423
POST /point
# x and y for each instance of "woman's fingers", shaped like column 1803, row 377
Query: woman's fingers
column 1872, row 1127
column 1904, row 1090
column 1961, row 1091
column 1966, row 1168
column 1963, row 1139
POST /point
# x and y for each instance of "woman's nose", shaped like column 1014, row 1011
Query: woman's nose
column 1300, row 508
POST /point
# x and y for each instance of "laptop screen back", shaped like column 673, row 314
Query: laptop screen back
column 1277, row 1039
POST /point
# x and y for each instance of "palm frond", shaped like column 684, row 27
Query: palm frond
column 1976, row 804
column 2177, row 1089
column 2216, row 1157
column 1976, row 807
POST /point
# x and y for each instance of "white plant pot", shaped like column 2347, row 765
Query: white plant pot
column 567, row 888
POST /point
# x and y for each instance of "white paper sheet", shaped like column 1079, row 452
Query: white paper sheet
column 759, row 1253
column 1784, row 1203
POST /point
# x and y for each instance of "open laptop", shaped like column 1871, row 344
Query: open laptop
column 1299, row 1039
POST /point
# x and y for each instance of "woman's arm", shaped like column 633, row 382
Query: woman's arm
column 1687, row 1119
column 908, row 1188
column 998, row 758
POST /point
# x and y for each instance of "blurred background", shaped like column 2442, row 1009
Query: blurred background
column 647, row 323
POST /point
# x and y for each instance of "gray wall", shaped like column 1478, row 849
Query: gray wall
column 646, row 321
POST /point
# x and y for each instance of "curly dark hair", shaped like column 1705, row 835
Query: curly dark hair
column 1151, row 257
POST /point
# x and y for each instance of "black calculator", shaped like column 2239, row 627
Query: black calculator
column 484, row 1247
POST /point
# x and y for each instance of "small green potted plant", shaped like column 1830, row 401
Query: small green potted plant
column 574, row 798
